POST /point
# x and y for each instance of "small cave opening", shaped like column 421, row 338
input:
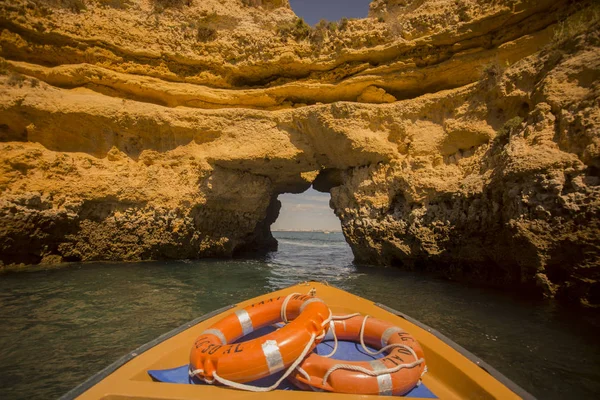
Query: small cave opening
column 313, row 11
column 306, row 208
column 300, row 219
column 310, row 242
column 307, row 211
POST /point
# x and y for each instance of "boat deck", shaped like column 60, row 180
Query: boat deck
column 453, row 373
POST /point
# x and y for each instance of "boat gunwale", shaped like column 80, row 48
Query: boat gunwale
column 99, row 376
column 499, row 376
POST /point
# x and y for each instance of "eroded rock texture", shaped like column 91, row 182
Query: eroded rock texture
column 456, row 136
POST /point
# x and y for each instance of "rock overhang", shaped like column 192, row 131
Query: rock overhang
column 157, row 143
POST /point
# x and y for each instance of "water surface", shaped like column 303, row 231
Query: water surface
column 59, row 326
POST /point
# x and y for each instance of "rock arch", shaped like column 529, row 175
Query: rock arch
column 167, row 146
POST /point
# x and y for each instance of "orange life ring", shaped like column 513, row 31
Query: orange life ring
column 318, row 372
column 257, row 358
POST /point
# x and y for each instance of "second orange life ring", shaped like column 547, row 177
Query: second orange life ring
column 404, row 358
column 214, row 354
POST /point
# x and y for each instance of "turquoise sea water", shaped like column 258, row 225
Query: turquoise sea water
column 59, row 326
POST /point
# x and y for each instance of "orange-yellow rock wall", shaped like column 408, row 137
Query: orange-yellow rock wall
column 460, row 137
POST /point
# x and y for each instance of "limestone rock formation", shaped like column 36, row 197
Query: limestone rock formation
column 461, row 137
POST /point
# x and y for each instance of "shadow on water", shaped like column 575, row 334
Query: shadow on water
column 59, row 326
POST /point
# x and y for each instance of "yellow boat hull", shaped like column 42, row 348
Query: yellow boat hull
column 453, row 373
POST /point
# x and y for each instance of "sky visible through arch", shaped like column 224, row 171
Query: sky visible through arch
column 331, row 10
column 310, row 210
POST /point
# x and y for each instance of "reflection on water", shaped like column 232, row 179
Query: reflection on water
column 60, row 326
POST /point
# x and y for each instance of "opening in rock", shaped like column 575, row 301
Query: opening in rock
column 310, row 243
column 308, row 211
column 312, row 11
